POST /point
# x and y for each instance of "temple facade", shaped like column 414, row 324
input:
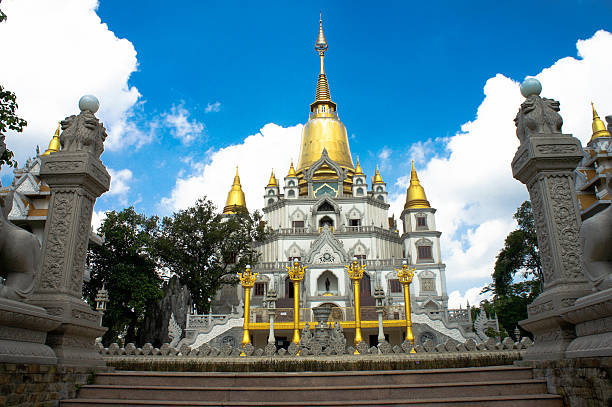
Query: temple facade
column 325, row 213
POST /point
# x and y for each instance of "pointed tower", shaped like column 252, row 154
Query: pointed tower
column 324, row 130
column 235, row 198
column 421, row 243
column 54, row 145
column 599, row 128
column 379, row 188
column 360, row 185
column 272, row 191
column 291, row 184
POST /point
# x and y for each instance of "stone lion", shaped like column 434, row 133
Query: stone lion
column 83, row 132
column 596, row 239
column 19, row 256
column 538, row 116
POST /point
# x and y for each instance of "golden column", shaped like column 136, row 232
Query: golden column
column 247, row 280
column 296, row 274
column 405, row 276
column 355, row 272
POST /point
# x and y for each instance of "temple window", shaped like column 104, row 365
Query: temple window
column 290, row 183
column 379, row 189
column 365, row 288
column 354, row 222
column 297, row 224
column 359, row 181
column 359, row 191
column 291, row 193
column 421, row 221
column 288, row 288
column 381, row 198
column 428, row 284
column 326, row 220
column 259, row 290
column 395, row 286
column 271, row 192
column 424, row 253
column 325, row 207
column 270, row 201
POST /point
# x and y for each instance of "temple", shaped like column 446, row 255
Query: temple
column 327, row 214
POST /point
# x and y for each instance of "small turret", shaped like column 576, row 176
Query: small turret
column 235, row 198
column 54, row 145
column 415, row 194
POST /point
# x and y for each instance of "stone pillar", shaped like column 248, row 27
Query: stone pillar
column 545, row 163
column 76, row 177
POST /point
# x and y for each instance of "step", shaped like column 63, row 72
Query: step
column 358, row 391
column 313, row 379
column 532, row 400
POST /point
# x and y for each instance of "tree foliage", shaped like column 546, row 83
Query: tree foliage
column 206, row 249
column 517, row 277
column 127, row 266
column 9, row 121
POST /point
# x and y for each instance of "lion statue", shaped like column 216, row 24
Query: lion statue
column 83, row 132
column 536, row 117
column 596, row 239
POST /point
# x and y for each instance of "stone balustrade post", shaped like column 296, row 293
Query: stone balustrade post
column 76, row 177
column 545, row 163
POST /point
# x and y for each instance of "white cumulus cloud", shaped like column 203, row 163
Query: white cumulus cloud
column 272, row 148
column 472, row 295
column 120, row 184
column 213, row 107
column 472, row 186
column 181, row 127
column 59, row 51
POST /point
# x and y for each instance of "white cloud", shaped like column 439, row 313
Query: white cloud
column 119, row 186
column 272, row 148
column 97, row 217
column 180, row 126
column 472, row 187
column 213, row 107
column 383, row 157
column 472, row 295
column 59, row 51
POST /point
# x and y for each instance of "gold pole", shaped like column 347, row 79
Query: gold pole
column 405, row 276
column 247, row 280
column 355, row 272
column 296, row 274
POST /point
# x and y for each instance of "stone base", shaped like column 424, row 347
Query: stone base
column 552, row 333
column 23, row 332
column 73, row 341
column 592, row 316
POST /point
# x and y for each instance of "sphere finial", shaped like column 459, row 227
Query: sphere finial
column 90, row 103
column 531, row 86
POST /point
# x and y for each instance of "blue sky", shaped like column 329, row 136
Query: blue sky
column 184, row 84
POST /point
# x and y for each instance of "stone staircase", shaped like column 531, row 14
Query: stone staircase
column 484, row 386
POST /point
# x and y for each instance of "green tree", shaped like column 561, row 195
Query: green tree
column 517, row 277
column 8, row 117
column 126, row 265
column 206, row 249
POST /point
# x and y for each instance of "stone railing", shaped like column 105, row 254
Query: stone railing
column 340, row 230
column 458, row 315
column 384, row 348
column 371, row 264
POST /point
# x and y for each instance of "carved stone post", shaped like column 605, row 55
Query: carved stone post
column 76, row 177
column 545, row 163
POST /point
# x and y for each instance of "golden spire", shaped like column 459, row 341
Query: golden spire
column 415, row 194
column 322, row 85
column 54, row 145
column 377, row 178
column 358, row 170
column 599, row 128
column 272, row 182
column 291, row 171
column 235, row 197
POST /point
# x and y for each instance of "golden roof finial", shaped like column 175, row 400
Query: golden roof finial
column 599, row 128
column 322, row 85
column 54, row 145
column 377, row 178
column 415, row 194
column 235, row 197
column 291, row 171
column 358, row 170
column 272, row 182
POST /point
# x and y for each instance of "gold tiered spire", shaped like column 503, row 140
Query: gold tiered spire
column 235, row 197
column 292, row 171
column 322, row 85
column 599, row 128
column 377, row 178
column 54, row 145
column 272, row 182
column 415, row 195
column 358, row 170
